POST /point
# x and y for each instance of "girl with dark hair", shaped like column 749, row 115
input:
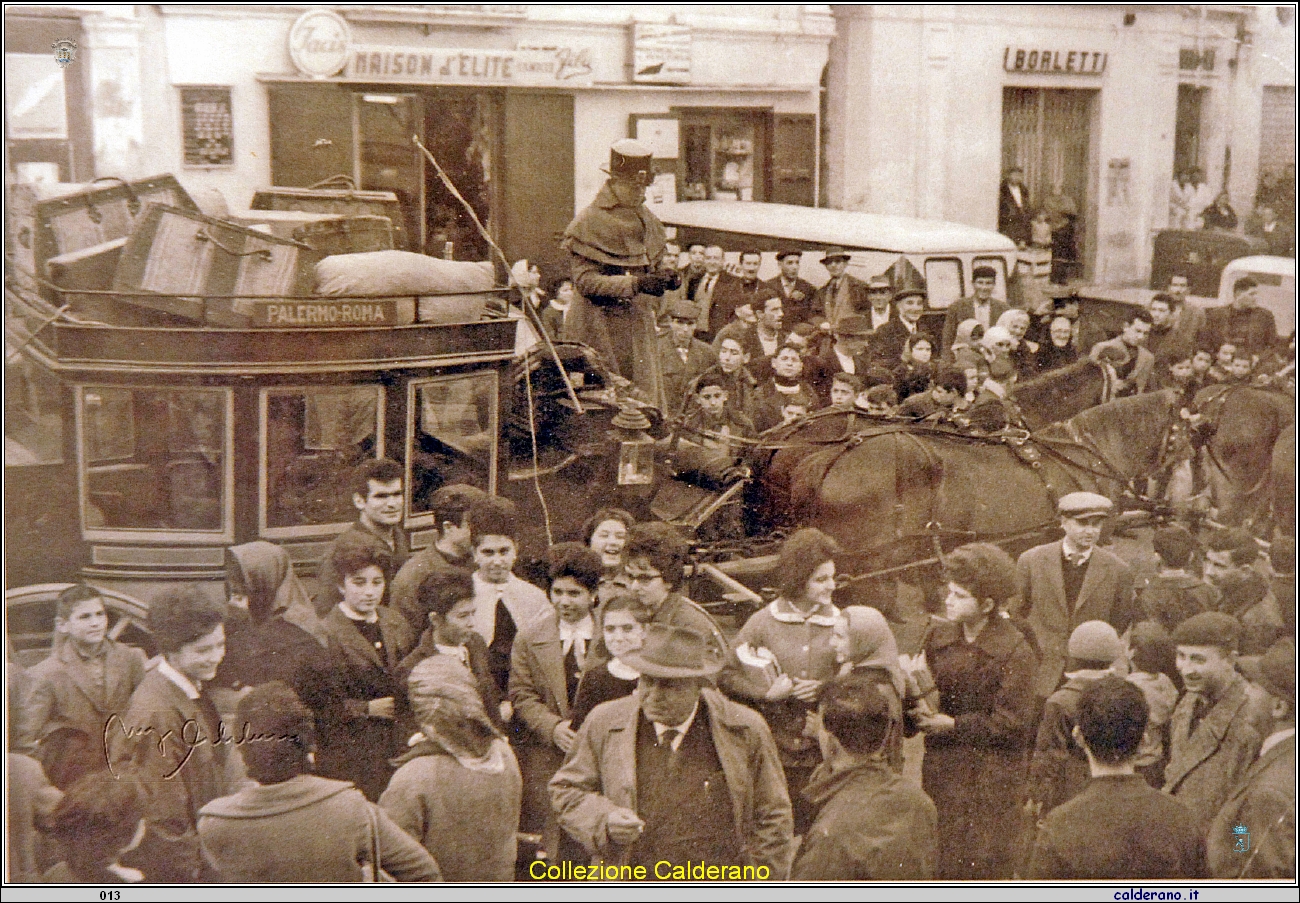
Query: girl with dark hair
column 975, row 745
column 98, row 821
column 359, row 696
column 794, row 634
column 622, row 631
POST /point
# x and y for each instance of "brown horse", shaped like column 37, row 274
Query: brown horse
column 1284, row 482
column 1060, row 394
column 889, row 491
column 1248, row 422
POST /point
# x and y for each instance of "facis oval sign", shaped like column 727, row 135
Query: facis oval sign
column 318, row 43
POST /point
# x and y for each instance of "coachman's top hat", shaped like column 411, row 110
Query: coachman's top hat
column 670, row 652
column 630, row 160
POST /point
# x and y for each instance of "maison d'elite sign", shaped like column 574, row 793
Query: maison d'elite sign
column 1060, row 62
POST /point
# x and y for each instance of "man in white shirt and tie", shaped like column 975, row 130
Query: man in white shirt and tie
column 703, row 291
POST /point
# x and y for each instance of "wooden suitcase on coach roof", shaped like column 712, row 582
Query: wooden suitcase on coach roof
column 347, row 201
column 348, row 234
column 280, row 223
column 175, row 257
column 59, row 218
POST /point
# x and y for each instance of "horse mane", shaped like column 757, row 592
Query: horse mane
column 1127, row 432
column 1057, row 394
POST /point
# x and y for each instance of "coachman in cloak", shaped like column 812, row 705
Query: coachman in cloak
column 615, row 249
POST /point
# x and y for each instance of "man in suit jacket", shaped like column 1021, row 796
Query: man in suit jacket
column 1063, row 584
column 981, row 305
column 702, row 289
column 1264, row 802
column 1243, row 322
column 842, row 294
column 743, row 293
column 1118, row 827
column 1013, row 208
column 1218, row 725
column 848, row 354
column 888, row 341
column 682, row 357
column 797, row 295
column 170, row 732
column 1134, row 375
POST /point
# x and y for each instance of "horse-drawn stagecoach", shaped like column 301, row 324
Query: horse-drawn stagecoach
column 154, row 420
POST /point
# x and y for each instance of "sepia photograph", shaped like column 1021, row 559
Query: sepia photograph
column 644, row 444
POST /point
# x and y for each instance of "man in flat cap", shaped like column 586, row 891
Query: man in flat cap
column 677, row 772
column 980, row 305
column 616, row 248
column 1265, row 802
column 1218, row 726
column 889, row 339
column 796, row 294
column 1243, row 322
column 1064, row 583
column 842, row 294
column 682, row 357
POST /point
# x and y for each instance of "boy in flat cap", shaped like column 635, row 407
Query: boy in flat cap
column 682, row 357
column 616, row 250
column 1218, row 725
column 1064, row 583
column 1264, row 803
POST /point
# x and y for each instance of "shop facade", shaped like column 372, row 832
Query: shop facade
column 517, row 103
column 928, row 107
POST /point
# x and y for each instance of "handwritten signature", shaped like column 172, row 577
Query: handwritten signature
column 191, row 737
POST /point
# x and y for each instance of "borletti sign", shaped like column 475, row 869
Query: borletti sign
column 318, row 43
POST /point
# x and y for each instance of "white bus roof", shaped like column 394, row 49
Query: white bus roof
column 1260, row 263
column 844, row 228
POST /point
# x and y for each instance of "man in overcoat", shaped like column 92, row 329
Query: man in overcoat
column 676, row 772
column 1064, row 583
column 616, row 249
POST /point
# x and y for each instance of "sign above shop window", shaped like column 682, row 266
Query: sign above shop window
column 318, row 43
column 553, row 67
column 661, row 53
column 1054, row 62
column 207, row 128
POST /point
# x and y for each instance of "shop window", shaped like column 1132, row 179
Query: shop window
column 724, row 155
column 47, row 122
column 313, row 440
column 154, row 459
column 453, row 435
column 943, row 281
column 33, row 414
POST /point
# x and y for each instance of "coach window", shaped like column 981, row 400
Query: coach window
column 451, row 435
column 155, row 460
column 312, row 441
column 943, row 281
column 1000, row 265
column 33, row 414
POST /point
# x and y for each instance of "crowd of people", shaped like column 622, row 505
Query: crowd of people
column 1194, row 205
column 422, row 711
column 1083, row 717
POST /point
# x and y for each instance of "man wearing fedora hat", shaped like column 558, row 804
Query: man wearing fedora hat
column 616, row 249
column 676, row 772
column 842, row 294
column 1072, row 580
column 847, row 354
column 888, row 340
column 1265, row 802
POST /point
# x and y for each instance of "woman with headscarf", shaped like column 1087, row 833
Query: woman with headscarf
column 864, row 644
column 273, row 632
column 1024, row 353
column 458, row 790
column 1059, row 350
